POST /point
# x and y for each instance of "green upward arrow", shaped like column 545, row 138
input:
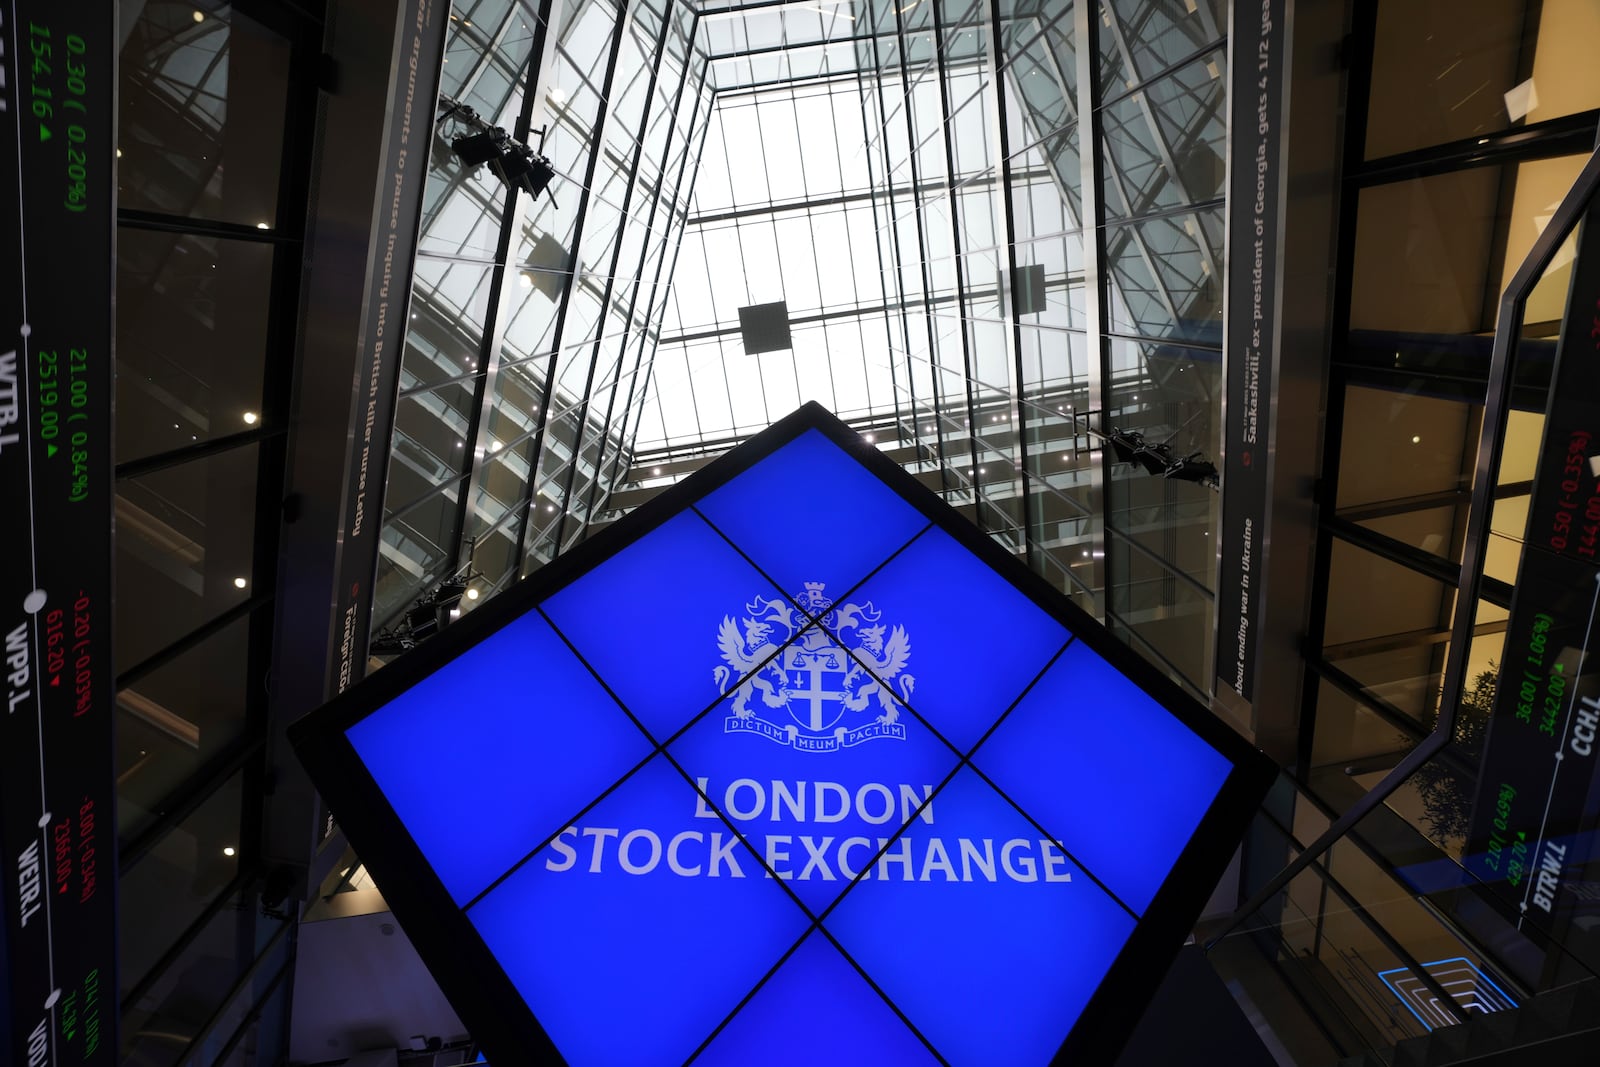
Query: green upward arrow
column 49, row 450
column 44, row 132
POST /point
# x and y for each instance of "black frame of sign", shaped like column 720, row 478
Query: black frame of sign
column 484, row 997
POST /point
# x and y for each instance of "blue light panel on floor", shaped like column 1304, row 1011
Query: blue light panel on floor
column 792, row 777
column 1473, row 991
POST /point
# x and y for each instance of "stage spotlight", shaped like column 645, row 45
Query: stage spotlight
column 422, row 620
column 1194, row 468
column 391, row 644
column 1131, row 447
column 516, row 165
column 1155, row 459
column 1125, row 444
column 476, row 149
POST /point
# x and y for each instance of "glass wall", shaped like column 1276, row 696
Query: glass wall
column 534, row 318
column 1476, row 123
column 216, row 105
column 907, row 181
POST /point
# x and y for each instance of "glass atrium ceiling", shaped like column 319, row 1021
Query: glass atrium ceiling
column 906, row 176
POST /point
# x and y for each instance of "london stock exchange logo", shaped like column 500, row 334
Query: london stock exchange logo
column 827, row 689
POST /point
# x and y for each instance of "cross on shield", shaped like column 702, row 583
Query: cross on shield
column 808, row 670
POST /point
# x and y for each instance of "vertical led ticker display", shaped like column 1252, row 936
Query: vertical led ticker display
column 797, row 769
column 57, row 826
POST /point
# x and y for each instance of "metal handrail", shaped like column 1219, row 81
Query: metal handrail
column 1496, row 405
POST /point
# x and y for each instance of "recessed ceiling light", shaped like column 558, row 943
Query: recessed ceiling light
column 472, row 594
column 249, row 418
column 1415, row 439
column 262, row 226
column 199, row 16
column 240, row 583
column 228, row 850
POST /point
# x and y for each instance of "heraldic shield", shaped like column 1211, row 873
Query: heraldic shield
column 827, row 687
column 728, row 784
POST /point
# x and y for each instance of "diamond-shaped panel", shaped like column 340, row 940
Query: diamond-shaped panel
column 639, row 619
column 515, row 713
column 1064, row 756
column 817, row 993
column 986, row 936
column 811, row 513
column 633, row 934
column 974, row 642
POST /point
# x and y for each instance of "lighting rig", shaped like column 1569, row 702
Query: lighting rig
column 428, row 614
column 1129, row 446
column 475, row 143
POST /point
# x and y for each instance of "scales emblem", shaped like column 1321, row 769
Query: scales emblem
column 803, row 678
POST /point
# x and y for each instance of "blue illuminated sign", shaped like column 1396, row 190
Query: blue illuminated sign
column 791, row 767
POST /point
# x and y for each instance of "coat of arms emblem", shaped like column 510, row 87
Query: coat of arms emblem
column 809, row 689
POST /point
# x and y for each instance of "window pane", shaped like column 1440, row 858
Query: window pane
column 171, row 721
column 1444, row 70
column 200, row 129
column 185, row 539
column 172, row 883
column 191, row 989
column 191, row 330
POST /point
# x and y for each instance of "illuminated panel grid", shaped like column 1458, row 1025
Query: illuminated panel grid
column 1460, row 977
column 794, row 776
